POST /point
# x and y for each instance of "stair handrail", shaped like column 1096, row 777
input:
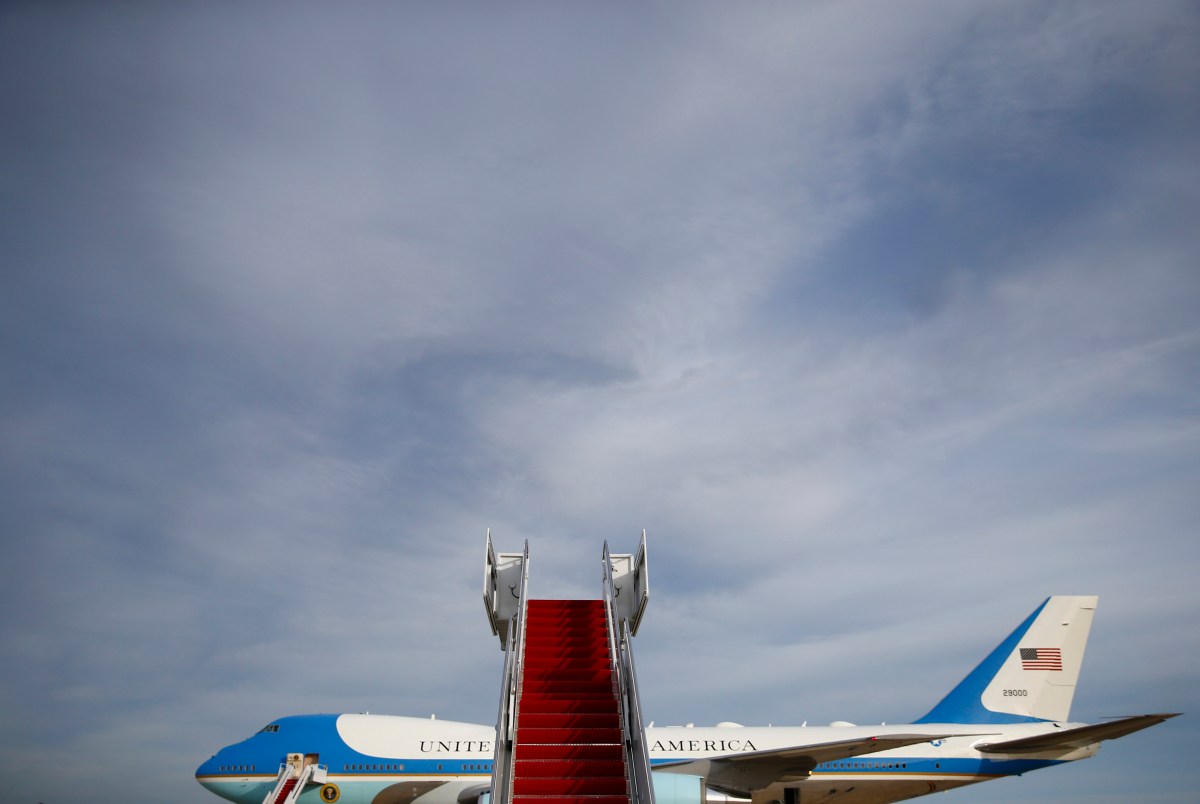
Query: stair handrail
column 504, row 758
column 500, row 779
column 610, row 616
column 638, row 781
column 639, row 750
column 280, row 780
column 305, row 778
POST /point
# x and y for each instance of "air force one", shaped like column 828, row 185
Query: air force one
column 569, row 728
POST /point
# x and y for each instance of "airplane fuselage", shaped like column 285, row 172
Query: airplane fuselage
column 380, row 759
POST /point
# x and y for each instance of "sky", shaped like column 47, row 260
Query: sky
column 882, row 319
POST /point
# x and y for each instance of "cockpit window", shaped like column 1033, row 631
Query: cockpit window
column 274, row 727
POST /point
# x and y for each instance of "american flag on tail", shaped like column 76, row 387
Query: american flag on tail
column 1041, row 659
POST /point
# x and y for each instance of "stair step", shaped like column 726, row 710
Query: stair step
column 569, row 768
column 546, row 663
column 602, row 692
column 565, row 645
column 554, row 736
column 554, row 632
column 558, row 645
column 579, row 799
column 601, row 675
column 608, row 752
column 552, row 654
column 568, row 720
column 603, row 785
column 546, row 705
column 564, row 605
column 582, row 689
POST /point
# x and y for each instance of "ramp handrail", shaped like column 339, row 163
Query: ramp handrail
column 503, row 757
column 610, row 614
column 639, row 754
column 637, row 760
column 285, row 773
column 305, row 777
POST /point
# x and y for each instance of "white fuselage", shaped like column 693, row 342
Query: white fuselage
column 372, row 759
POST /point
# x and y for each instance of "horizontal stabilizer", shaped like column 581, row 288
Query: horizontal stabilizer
column 1077, row 737
column 745, row 772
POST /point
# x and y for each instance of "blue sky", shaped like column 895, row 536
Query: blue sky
column 883, row 320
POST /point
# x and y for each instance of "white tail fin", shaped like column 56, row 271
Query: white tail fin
column 1029, row 676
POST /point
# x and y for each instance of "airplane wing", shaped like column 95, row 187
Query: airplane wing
column 754, row 770
column 1077, row 737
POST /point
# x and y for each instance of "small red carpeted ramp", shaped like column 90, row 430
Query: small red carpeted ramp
column 284, row 792
column 569, row 745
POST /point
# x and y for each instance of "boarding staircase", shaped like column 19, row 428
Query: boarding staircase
column 294, row 774
column 569, row 726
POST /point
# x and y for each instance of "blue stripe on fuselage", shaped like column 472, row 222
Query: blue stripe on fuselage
column 924, row 766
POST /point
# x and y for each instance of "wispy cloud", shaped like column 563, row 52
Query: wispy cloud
column 881, row 319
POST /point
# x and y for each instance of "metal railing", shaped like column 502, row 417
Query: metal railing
column 637, row 759
column 303, row 777
column 503, row 757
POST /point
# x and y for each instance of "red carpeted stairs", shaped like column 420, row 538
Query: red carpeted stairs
column 568, row 748
column 285, row 790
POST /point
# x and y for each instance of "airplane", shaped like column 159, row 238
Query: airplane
column 1009, row 716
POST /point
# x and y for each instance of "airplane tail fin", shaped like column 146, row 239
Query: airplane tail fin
column 1031, row 675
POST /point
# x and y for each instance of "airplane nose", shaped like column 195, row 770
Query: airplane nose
column 207, row 768
column 206, row 776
